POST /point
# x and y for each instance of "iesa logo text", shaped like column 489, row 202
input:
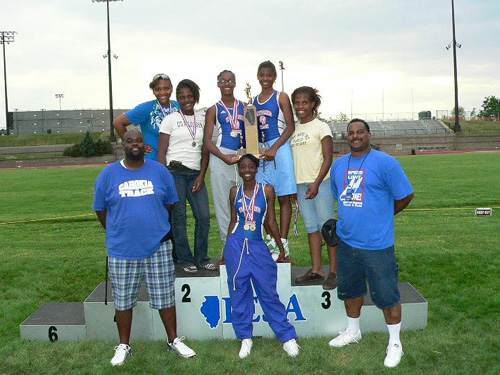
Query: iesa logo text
column 210, row 309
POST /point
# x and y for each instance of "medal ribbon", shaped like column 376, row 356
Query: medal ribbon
column 249, row 210
column 233, row 120
column 192, row 131
column 163, row 110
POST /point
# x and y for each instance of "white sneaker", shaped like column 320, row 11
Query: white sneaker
column 190, row 268
column 291, row 348
column 246, row 348
column 286, row 247
column 122, row 351
column 271, row 244
column 345, row 338
column 181, row 348
column 394, row 354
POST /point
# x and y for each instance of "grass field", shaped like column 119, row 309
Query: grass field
column 451, row 256
column 476, row 127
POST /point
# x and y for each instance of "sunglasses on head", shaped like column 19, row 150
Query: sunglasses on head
column 162, row 76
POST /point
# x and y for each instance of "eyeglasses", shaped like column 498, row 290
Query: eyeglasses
column 161, row 76
column 223, row 81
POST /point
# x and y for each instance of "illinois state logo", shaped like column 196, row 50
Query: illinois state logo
column 211, row 311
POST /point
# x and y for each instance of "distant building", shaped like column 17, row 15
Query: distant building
column 67, row 121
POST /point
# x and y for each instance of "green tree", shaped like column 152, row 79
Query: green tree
column 490, row 107
column 342, row 117
column 87, row 147
column 461, row 112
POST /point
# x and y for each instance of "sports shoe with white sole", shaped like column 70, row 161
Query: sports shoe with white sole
column 291, row 348
column 181, row 348
column 246, row 348
column 345, row 338
column 122, row 351
column 394, row 354
column 210, row 265
column 271, row 244
column 191, row 268
column 286, row 247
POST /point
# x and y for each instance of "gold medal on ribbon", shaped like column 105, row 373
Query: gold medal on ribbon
column 249, row 209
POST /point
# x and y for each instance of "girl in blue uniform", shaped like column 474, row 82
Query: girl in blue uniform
column 226, row 116
column 276, row 126
column 249, row 262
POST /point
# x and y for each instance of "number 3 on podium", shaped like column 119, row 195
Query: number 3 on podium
column 327, row 302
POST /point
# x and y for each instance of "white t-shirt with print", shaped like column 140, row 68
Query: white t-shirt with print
column 182, row 147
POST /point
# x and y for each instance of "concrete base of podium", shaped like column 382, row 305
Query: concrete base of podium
column 203, row 311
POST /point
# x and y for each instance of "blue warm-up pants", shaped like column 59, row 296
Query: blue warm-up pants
column 249, row 262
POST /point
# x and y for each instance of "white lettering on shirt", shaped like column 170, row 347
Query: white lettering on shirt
column 135, row 188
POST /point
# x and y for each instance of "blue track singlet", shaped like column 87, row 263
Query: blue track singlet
column 224, row 128
column 246, row 220
column 269, row 117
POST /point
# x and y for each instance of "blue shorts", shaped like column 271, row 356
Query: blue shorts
column 278, row 173
column 158, row 269
column 378, row 267
column 315, row 212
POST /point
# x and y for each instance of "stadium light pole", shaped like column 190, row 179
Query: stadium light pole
column 456, row 127
column 282, row 67
column 111, row 129
column 7, row 37
column 59, row 96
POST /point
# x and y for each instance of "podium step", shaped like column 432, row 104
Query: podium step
column 204, row 312
column 55, row 321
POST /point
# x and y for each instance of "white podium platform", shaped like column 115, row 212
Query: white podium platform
column 203, row 311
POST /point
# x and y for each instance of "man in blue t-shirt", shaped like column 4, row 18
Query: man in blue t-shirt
column 370, row 188
column 132, row 200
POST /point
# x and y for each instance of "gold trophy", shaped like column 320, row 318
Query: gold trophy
column 251, row 127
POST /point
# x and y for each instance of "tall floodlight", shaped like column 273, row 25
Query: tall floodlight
column 6, row 37
column 456, row 127
column 59, row 96
column 282, row 67
column 108, row 55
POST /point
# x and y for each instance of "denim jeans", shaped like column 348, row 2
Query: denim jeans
column 315, row 212
column 378, row 267
column 184, row 181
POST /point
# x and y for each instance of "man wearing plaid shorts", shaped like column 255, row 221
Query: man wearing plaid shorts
column 132, row 201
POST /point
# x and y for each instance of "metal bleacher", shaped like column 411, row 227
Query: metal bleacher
column 395, row 128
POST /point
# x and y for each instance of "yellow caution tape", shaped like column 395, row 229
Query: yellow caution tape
column 92, row 214
column 45, row 219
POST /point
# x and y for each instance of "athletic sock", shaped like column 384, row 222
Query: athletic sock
column 353, row 325
column 394, row 330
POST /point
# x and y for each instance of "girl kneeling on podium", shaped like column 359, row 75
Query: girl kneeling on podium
column 248, row 260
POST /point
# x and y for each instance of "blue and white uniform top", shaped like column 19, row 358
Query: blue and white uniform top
column 250, row 212
column 270, row 117
column 230, row 125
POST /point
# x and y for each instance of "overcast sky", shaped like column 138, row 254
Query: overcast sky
column 364, row 55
